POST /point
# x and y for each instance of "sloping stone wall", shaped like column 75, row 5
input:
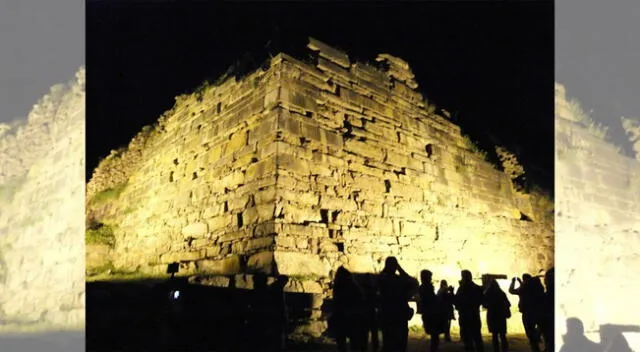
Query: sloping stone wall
column 302, row 167
column 366, row 171
column 598, row 218
column 201, row 190
column 41, row 244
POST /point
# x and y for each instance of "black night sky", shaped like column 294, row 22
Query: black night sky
column 491, row 64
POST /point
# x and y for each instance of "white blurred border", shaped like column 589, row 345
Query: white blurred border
column 41, row 46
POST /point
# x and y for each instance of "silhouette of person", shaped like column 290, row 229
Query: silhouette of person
column 267, row 315
column 371, row 312
column 497, row 304
column 258, row 315
column 279, row 312
column 445, row 295
column 467, row 301
column 348, row 316
column 395, row 293
column 575, row 341
column 528, row 304
column 612, row 339
column 430, row 309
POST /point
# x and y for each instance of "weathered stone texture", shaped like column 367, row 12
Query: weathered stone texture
column 378, row 179
column 305, row 168
column 598, row 207
column 203, row 187
column 41, row 244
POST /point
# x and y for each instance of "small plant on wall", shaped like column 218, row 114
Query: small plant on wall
column 473, row 146
column 202, row 88
column 107, row 194
column 100, row 234
column 511, row 166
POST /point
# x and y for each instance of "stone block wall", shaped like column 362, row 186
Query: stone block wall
column 41, row 243
column 366, row 171
column 598, row 213
column 202, row 188
column 305, row 166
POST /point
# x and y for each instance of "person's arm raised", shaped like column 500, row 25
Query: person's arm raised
column 512, row 289
column 402, row 272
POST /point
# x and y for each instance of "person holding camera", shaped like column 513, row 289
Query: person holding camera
column 531, row 297
column 396, row 289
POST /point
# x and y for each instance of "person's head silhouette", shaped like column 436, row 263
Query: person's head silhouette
column 575, row 326
column 493, row 286
column 390, row 265
column 342, row 274
column 425, row 276
column 465, row 276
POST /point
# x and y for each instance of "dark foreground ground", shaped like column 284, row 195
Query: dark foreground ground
column 420, row 343
column 141, row 317
column 75, row 342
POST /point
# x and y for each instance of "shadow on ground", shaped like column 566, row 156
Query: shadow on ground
column 612, row 337
column 57, row 341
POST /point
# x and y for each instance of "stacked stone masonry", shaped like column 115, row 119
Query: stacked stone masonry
column 302, row 167
column 41, row 205
column 597, row 225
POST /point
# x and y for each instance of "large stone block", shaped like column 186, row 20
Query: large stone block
column 416, row 229
column 306, row 231
column 227, row 266
column 329, row 53
column 262, row 169
column 237, row 202
column 361, row 263
column 301, row 264
column 307, row 199
column 337, row 204
column 182, row 256
column 293, row 164
column 261, row 262
column 266, row 195
column 380, row 225
column 364, row 149
column 259, row 244
column 197, row 229
column 297, row 214
column 219, row 222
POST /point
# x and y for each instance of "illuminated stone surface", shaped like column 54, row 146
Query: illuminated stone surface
column 598, row 218
column 41, row 247
column 334, row 164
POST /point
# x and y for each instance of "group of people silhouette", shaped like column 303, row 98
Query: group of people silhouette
column 381, row 302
